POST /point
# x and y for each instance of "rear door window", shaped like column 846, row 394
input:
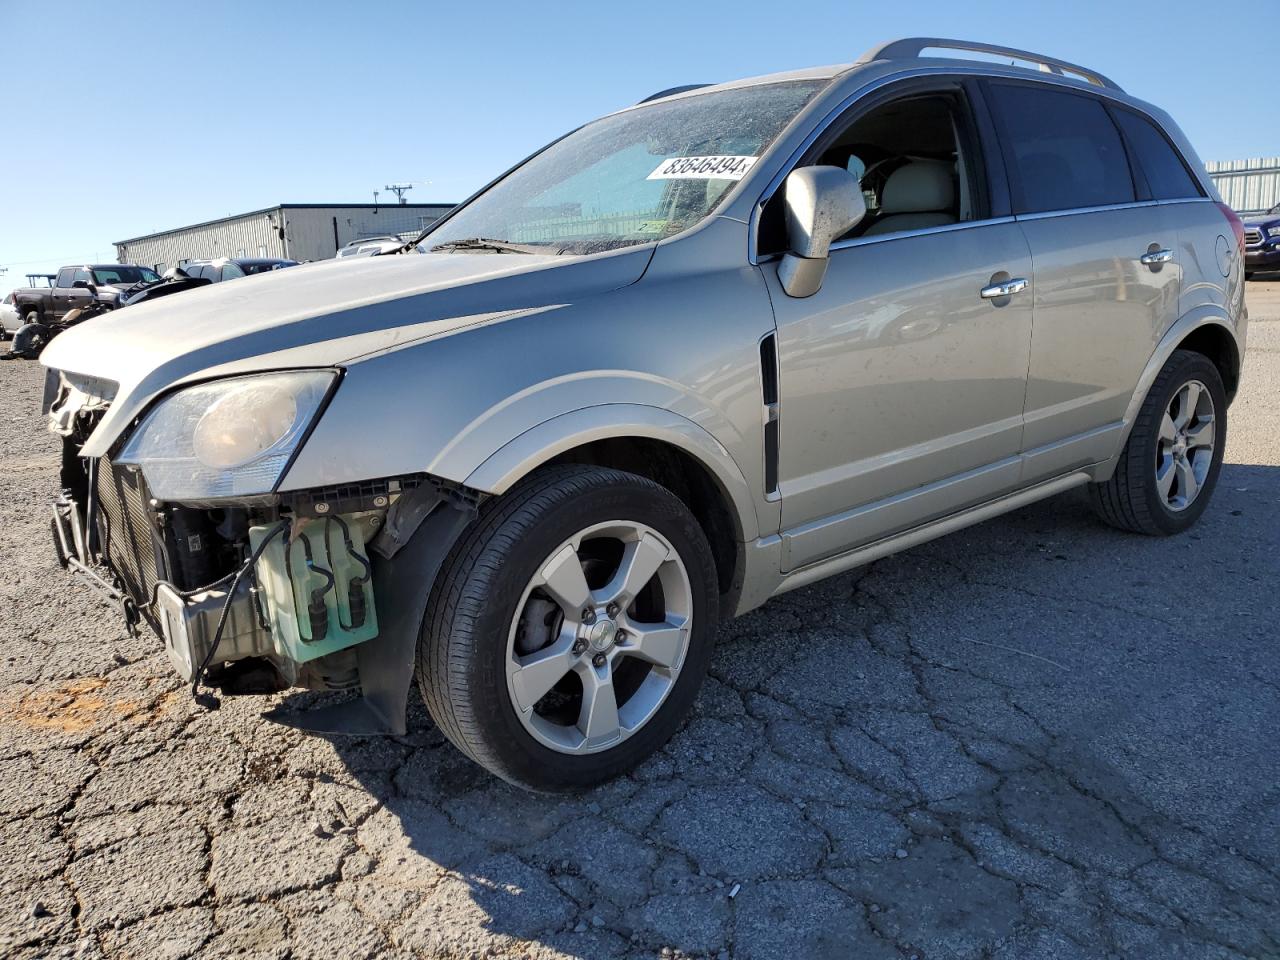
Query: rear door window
column 1064, row 150
column 1166, row 173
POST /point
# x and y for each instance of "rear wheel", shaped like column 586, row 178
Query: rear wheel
column 571, row 628
column 1170, row 464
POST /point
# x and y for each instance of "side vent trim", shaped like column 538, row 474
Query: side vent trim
column 769, row 399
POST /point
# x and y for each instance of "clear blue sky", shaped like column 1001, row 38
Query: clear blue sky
column 120, row 119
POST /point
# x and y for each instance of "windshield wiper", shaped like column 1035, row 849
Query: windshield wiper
column 498, row 246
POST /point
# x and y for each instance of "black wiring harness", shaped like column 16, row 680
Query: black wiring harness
column 208, row 700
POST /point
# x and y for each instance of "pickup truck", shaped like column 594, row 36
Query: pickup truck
column 76, row 286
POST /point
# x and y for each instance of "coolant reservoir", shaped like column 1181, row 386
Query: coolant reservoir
column 317, row 586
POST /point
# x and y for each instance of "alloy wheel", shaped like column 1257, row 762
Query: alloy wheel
column 599, row 637
column 1184, row 453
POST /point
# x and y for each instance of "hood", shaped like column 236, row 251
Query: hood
column 1261, row 219
column 321, row 314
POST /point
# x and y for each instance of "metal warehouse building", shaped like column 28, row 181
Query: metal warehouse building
column 295, row 231
column 1248, row 186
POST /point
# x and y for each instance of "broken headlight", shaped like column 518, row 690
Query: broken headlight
column 227, row 438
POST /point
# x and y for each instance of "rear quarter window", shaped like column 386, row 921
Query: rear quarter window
column 1065, row 151
column 1166, row 172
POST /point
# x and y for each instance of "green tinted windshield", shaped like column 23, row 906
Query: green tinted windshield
column 633, row 177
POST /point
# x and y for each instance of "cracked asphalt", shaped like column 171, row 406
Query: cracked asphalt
column 1034, row 739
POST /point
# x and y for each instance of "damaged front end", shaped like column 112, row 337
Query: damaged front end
column 322, row 589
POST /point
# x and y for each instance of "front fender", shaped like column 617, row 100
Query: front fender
column 549, row 439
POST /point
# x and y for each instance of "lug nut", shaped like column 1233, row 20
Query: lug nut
column 579, row 646
column 598, row 659
column 621, row 637
column 612, row 609
column 588, row 615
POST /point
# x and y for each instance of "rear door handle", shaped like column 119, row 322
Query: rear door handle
column 1006, row 289
column 1157, row 256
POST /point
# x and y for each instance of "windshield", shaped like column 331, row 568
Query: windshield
column 634, row 177
column 123, row 275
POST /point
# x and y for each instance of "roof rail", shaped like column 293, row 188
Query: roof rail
column 672, row 91
column 912, row 47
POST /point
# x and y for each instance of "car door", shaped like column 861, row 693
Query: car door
column 901, row 385
column 1107, row 278
column 79, row 297
column 62, row 296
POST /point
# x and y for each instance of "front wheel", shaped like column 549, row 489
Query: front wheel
column 1170, row 464
column 571, row 628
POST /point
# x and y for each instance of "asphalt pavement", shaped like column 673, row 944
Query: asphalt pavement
column 1037, row 738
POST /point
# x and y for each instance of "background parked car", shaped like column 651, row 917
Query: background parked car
column 9, row 319
column 76, row 286
column 369, row 247
column 216, row 271
column 1262, row 241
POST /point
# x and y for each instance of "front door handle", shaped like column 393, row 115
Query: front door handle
column 1006, row 289
column 1157, row 256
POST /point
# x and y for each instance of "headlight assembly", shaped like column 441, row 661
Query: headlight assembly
column 227, row 438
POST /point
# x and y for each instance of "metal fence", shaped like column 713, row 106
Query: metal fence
column 1248, row 186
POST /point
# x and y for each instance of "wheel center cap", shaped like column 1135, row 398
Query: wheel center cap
column 1180, row 447
column 601, row 635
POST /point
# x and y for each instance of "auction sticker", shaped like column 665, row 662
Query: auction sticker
column 703, row 168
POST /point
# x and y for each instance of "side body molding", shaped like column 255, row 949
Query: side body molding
column 1188, row 323
column 553, row 437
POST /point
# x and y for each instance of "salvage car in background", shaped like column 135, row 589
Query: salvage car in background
column 74, row 287
column 626, row 392
column 75, row 294
column 9, row 319
column 369, row 247
column 216, row 271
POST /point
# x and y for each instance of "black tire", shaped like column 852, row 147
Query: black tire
column 463, row 644
column 1130, row 500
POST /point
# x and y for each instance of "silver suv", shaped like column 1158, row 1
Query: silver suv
column 702, row 351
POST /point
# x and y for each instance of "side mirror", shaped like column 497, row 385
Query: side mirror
column 822, row 204
column 81, row 285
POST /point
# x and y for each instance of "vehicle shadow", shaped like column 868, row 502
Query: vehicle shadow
column 1036, row 737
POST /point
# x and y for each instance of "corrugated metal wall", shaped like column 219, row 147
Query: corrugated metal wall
column 1248, row 186
column 297, row 232
column 248, row 236
column 312, row 232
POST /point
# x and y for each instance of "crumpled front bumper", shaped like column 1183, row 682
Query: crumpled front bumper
column 420, row 529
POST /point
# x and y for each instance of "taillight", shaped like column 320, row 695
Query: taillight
column 1237, row 225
